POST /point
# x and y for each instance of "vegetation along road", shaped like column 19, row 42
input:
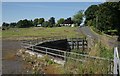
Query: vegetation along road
column 112, row 42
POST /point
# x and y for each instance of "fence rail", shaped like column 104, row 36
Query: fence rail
column 33, row 47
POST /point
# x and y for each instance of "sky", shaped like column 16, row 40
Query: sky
column 54, row 0
column 15, row 11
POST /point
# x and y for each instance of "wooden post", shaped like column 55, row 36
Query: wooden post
column 83, row 44
column 111, row 66
column 31, row 46
column 65, row 61
column 77, row 44
column 87, row 44
column 65, row 56
column 72, row 43
column 37, row 41
column 46, row 51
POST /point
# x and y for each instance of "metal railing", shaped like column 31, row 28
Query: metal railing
column 37, row 48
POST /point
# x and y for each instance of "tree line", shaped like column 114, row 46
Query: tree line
column 29, row 23
column 104, row 17
column 76, row 19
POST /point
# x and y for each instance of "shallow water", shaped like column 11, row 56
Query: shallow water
column 11, row 66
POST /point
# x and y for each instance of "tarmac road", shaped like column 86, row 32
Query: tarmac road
column 87, row 31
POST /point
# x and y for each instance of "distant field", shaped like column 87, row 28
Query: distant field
column 20, row 33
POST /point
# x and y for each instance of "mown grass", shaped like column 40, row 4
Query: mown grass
column 14, row 33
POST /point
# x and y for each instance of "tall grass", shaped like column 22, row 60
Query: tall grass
column 91, row 66
column 105, row 52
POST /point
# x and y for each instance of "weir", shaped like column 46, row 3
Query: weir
column 57, row 46
column 66, row 44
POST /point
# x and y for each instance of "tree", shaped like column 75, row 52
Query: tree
column 30, row 23
column 46, row 24
column 13, row 25
column 19, row 24
column 52, row 21
column 35, row 22
column 107, row 19
column 24, row 23
column 41, row 20
column 104, row 17
column 90, row 13
column 5, row 24
column 77, row 18
column 60, row 21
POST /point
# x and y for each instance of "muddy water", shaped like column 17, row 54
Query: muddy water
column 11, row 64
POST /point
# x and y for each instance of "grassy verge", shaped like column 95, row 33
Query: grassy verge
column 101, row 33
column 35, row 32
column 91, row 66
column 105, row 39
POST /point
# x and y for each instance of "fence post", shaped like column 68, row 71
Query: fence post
column 83, row 44
column 116, row 69
column 111, row 67
column 46, row 51
column 77, row 44
column 32, row 46
column 72, row 43
column 65, row 56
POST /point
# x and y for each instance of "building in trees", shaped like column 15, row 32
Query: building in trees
column 67, row 22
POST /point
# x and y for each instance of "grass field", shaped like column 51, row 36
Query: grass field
column 15, row 33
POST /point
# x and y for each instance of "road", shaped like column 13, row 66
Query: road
column 87, row 31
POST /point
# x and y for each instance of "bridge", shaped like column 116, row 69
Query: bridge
column 114, row 66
